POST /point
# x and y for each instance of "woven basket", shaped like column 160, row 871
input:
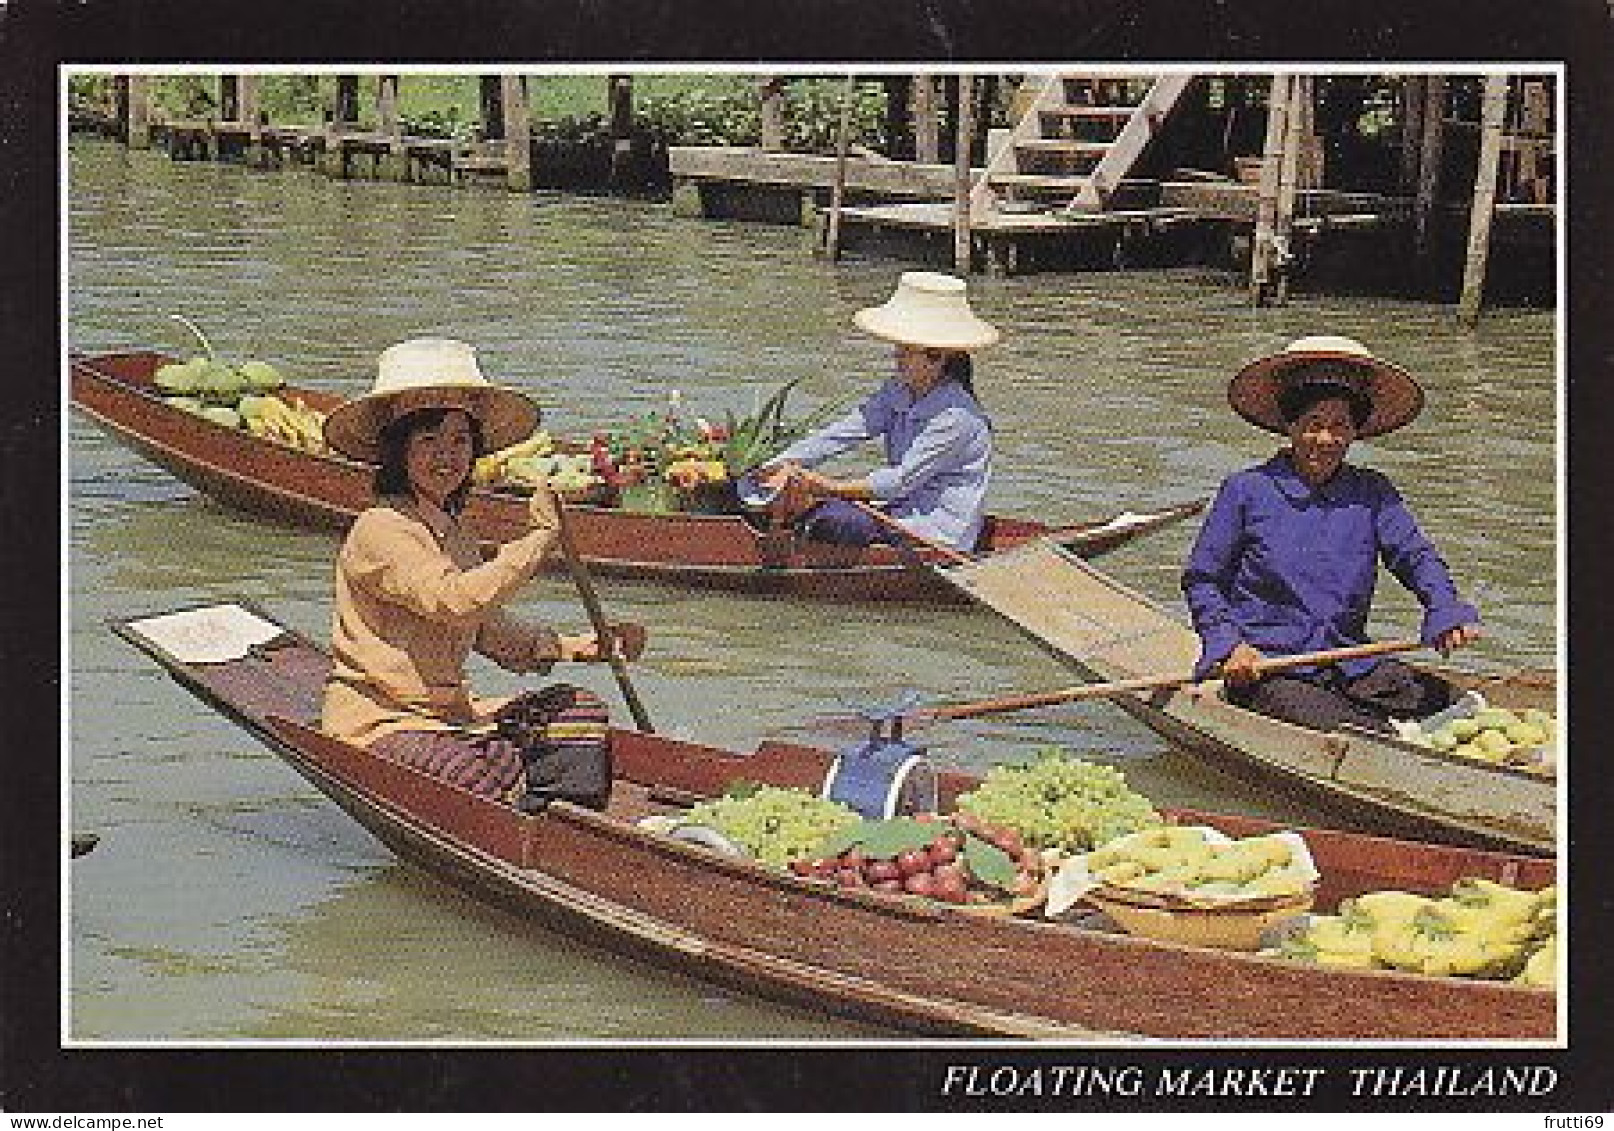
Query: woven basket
column 1237, row 926
column 1019, row 905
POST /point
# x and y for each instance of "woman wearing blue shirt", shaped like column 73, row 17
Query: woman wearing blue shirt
column 937, row 439
column 1288, row 555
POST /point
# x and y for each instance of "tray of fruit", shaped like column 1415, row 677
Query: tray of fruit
column 1523, row 740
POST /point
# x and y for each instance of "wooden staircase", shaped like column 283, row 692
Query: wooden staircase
column 1080, row 136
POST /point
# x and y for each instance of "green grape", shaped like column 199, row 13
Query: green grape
column 1056, row 801
column 775, row 825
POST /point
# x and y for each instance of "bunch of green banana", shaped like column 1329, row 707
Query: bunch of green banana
column 494, row 467
column 1481, row 929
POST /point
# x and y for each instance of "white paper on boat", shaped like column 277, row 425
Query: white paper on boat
column 215, row 634
column 1072, row 880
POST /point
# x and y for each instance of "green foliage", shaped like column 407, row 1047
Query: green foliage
column 752, row 440
column 989, row 863
column 882, row 839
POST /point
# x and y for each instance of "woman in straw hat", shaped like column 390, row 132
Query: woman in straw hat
column 414, row 596
column 937, row 438
column 1288, row 555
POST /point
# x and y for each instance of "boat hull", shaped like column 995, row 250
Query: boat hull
column 1107, row 631
column 325, row 492
column 889, row 961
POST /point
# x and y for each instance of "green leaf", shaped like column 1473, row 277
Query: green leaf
column 882, row 839
column 989, row 863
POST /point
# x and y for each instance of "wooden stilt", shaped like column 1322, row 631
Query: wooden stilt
column 389, row 124
column 926, row 122
column 1492, row 116
column 1414, row 94
column 1283, row 227
column 517, row 133
column 620, row 98
column 1266, row 207
column 1431, row 155
column 137, row 121
column 962, row 239
column 771, row 106
column 837, row 191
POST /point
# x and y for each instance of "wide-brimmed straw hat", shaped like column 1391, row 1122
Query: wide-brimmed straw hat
column 1326, row 359
column 429, row 373
column 931, row 310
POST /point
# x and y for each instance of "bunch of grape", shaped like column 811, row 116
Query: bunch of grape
column 775, row 825
column 1055, row 801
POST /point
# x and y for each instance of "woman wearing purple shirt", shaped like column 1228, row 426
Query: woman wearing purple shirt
column 937, row 439
column 1288, row 555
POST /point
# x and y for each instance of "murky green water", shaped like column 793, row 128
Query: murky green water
column 228, row 900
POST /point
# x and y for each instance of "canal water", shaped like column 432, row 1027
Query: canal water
column 229, row 901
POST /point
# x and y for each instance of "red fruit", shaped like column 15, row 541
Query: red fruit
column 824, row 869
column 849, row 878
column 950, row 888
column 1025, row 883
column 892, row 885
column 942, row 851
column 913, row 862
column 968, row 822
column 852, row 858
column 920, row 883
column 878, row 870
column 802, row 867
column 927, row 818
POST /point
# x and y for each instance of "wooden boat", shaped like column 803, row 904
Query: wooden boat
column 712, row 550
column 1110, row 632
column 895, row 961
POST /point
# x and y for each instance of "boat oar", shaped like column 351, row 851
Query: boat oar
column 950, row 555
column 596, row 617
column 1153, row 682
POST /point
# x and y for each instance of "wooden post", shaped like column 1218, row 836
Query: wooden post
column 1430, row 156
column 837, row 192
column 1414, row 94
column 490, row 96
column 771, row 106
column 1266, row 206
column 389, row 124
column 961, row 175
column 1288, row 184
column 137, row 120
column 1492, row 116
column 619, row 96
column 926, row 121
column 517, row 133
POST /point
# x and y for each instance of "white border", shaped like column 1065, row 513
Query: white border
column 1558, row 70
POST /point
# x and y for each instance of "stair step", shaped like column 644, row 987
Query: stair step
column 1064, row 147
column 1037, row 182
column 1115, row 113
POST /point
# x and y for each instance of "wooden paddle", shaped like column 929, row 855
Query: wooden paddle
column 1151, row 682
column 596, row 617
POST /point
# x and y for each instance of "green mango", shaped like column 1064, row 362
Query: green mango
column 184, row 404
column 219, row 384
column 1464, row 729
column 260, row 376
column 1495, row 718
column 1525, row 734
column 177, row 377
column 1444, row 740
column 1493, row 742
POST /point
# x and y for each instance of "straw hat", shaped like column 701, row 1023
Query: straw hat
column 1254, row 391
column 428, row 373
column 928, row 309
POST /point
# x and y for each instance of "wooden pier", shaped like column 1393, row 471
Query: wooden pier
column 1095, row 170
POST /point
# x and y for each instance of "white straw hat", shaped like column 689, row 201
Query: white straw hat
column 429, row 373
column 1395, row 396
column 931, row 310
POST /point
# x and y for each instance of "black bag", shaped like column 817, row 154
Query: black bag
column 565, row 745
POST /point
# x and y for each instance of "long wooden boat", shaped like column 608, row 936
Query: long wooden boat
column 721, row 551
column 895, row 961
column 1108, row 631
